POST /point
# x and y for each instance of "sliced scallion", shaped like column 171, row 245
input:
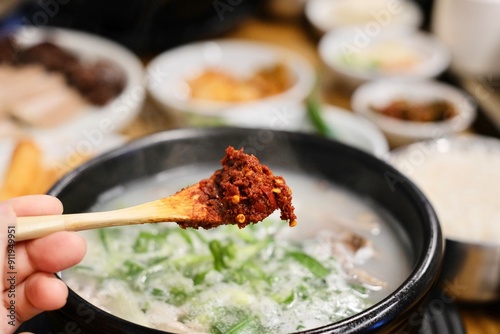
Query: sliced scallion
column 310, row 263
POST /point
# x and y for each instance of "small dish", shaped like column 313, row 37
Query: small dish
column 358, row 56
column 170, row 72
column 399, row 132
column 32, row 165
column 106, row 119
column 459, row 175
column 368, row 15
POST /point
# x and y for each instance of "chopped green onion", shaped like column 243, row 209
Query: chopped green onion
column 199, row 277
column 247, row 324
column 177, row 295
column 302, row 292
column 132, row 269
column 289, row 299
column 285, row 299
column 300, row 327
column 104, row 239
column 240, row 326
column 157, row 260
column 313, row 265
column 218, row 254
column 158, row 292
column 314, row 113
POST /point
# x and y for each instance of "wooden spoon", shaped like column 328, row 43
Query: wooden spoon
column 241, row 193
column 182, row 207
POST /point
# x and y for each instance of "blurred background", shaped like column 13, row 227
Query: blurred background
column 142, row 26
column 154, row 25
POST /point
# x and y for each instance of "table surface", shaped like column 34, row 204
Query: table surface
column 294, row 34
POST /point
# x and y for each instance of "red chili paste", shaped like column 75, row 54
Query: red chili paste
column 244, row 191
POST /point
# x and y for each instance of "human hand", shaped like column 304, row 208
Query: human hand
column 28, row 283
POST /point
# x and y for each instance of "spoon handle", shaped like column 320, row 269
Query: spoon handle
column 39, row 226
column 32, row 227
column 183, row 206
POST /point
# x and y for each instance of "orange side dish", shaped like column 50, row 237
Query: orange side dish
column 217, row 85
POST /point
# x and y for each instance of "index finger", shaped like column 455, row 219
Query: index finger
column 33, row 205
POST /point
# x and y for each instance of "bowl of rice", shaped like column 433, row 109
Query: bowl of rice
column 459, row 175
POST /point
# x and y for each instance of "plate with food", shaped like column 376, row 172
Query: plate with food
column 32, row 165
column 64, row 84
column 359, row 56
column 199, row 81
column 414, row 111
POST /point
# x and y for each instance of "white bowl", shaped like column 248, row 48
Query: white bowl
column 400, row 132
column 168, row 74
column 274, row 116
column 98, row 121
column 366, row 15
column 358, row 56
column 347, row 127
column 459, row 175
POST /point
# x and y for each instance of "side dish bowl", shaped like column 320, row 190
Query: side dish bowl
column 96, row 120
column 415, row 226
column 374, row 96
column 170, row 73
column 358, row 56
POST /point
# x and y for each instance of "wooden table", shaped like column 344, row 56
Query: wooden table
column 477, row 319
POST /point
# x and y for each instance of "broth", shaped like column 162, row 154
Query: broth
column 345, row 252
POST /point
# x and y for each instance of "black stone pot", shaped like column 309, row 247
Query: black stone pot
column 360, row 172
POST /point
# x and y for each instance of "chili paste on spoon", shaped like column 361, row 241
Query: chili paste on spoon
column 244, row 191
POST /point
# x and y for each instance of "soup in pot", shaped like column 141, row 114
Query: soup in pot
column 344, row 255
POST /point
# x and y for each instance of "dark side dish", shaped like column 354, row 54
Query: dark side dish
column 432, row 111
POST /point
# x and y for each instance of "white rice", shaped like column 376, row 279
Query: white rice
column 464, row 188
